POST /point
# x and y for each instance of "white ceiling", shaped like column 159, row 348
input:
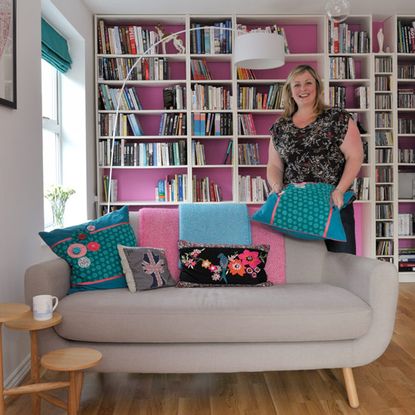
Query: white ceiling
column 378, row 8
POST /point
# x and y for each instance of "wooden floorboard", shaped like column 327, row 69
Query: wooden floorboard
column 385, row 387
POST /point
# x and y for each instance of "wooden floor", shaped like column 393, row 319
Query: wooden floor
column 385, row 387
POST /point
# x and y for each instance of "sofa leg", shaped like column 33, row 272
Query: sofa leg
column 350, row 387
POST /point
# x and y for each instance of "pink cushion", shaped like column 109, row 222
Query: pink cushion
column 159, row 228
column 262, row 234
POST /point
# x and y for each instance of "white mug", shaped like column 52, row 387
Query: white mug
column 43, row 306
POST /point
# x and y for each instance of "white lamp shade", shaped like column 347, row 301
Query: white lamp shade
column 259, row 50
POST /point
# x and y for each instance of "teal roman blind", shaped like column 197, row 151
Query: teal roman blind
column 55, row 48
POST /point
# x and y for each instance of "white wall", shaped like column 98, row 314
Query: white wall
column 21, row 207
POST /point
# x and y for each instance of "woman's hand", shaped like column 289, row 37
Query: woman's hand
column 337, row 196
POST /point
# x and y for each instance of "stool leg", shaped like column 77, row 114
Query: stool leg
column 2, row 410
column 34, row 371
column 72, row 394
column 79, row 382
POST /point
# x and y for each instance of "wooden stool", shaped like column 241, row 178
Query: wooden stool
column 8, row 312
column 73, row 360
column 27, row 322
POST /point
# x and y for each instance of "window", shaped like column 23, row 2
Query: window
column 52, row 138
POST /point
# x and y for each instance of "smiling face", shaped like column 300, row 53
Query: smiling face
column 304, row 89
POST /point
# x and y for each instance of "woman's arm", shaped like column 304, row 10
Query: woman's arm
column 275, row 169
column 352, row 149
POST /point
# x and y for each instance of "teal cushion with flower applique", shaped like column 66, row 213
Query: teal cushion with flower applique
column 91, row 251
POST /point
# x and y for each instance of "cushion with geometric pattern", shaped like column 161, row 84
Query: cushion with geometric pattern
column 304, row 210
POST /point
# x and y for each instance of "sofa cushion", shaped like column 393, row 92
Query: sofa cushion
column 304, row 210
column 223, row 264
column 90, row 249
column 291, row 312
column 145, row 268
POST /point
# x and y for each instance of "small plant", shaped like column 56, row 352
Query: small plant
column 58, row 196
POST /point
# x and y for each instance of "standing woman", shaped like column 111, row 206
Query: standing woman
column 314, row 143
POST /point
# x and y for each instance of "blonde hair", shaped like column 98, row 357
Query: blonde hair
column 290, row 106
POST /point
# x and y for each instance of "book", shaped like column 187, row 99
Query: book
column 228, row 152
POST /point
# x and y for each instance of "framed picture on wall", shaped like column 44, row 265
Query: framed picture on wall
column 8, row 53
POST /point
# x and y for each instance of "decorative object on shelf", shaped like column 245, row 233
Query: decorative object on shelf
column 178, row 44
column 380, row 36
column 338, row 10
column 8, row 53
column 58, row 196
column 161, row 34
column 252, row 50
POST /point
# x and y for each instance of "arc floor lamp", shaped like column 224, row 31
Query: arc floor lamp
column 256, row 49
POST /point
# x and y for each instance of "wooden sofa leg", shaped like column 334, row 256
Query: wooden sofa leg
column 350, row 387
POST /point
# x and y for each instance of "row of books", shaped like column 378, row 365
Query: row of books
column 246, row 125
column 173, row 124
column 406, row 71
column 383, row 101
column 384, row 193
column 383, row 64
column 199, row 70
column 128, row 100
column 342, row 67
column 172, row 189
column 384, row 229
column 250, row 98
column 245, row 74
column 382, row 83
column 406, row 98
column 383, row 155
column 199, row 156
column 383, row 120
column 406, row 126
column 384, row 211
column 248, row 154
column 383, row 138
column 211, row 123
column 337, row 96
column 131, row 40
column 406, row 259
column 406, row 37
column 109, row 190
column 405, row 224
column 406, row 155
column 142, row 154
column 383, row 174
column 384, row 247
column 127, row 125
column 360, row 187
column 209, row 97
column 211, row 40
column 206, row 190
column 149, row 69
column 252, row 189
column 174, row 97
column 344, row 40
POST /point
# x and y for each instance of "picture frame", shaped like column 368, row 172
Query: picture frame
column 8, row 88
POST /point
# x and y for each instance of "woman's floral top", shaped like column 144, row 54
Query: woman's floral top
column 312, row 153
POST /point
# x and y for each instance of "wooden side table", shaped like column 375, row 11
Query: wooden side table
column 73, row 360
column 8, row 312
column 27, row 322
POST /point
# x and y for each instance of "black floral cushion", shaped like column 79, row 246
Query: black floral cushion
column 210, row 264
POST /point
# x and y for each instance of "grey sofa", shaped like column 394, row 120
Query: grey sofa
column 336, row 311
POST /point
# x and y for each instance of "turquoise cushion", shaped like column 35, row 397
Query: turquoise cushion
column 304, row 210
column 91, row 250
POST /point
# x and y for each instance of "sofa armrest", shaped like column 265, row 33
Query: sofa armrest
column 49, row 277
column 376, row 283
